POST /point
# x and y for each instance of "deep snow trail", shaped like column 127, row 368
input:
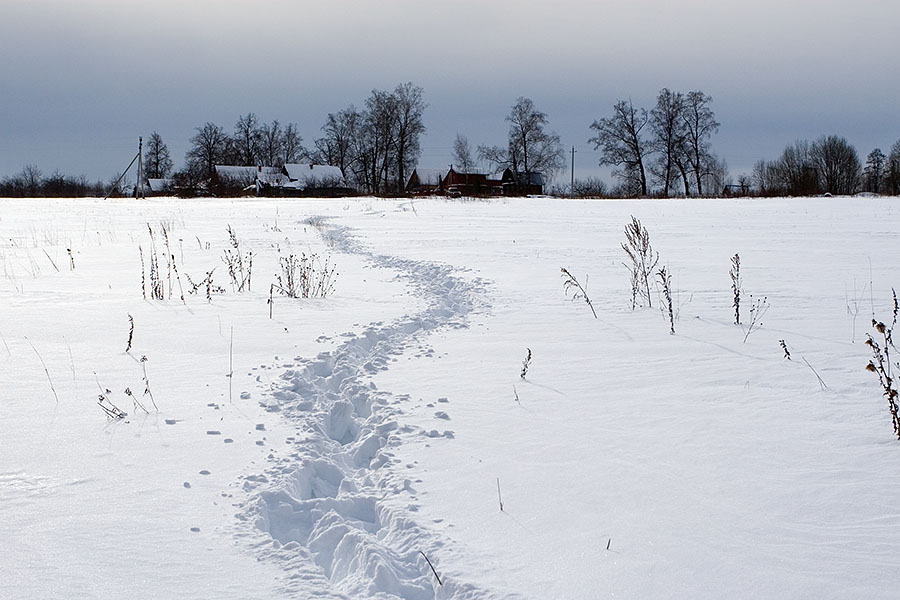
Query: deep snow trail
column 340, row 516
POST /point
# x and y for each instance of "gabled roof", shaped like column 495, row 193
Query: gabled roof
column 159, row 185
column 236, row 173
column 532, row 178
column 429, row 176
column 304, row 175
column 271, row 176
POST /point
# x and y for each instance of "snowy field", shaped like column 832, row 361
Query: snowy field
column 324, row 447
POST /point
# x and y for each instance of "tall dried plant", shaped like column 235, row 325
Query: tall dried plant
column 643, row 260
column 883, row 365
column 665, row 280
column 578, row 292
column 736, row 283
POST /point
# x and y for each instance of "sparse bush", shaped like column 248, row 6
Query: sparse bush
column 643, row 260
column 240, row 265
column 578, row 292
column 304, row 277
column 151, row 272
column 592, row 187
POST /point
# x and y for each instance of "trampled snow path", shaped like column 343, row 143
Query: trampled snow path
column 325, row 505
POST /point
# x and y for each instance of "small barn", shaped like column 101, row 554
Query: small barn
column 522, row 184
column 160, row 187
column 466, row 184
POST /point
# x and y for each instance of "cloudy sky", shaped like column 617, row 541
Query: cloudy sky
column 80, row 80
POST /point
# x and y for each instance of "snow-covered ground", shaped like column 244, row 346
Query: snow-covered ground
column 361, row 433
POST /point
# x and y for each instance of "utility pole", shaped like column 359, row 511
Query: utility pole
column 139, row 186
column 572, row 189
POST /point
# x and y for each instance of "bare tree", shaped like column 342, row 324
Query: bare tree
column 530, row 148
column 157, row 162
column 31, row 178
column 837, row 164
column 874, row 171
column 379, row 131
column 410, row 108
column 208, row 146
column 623, row 146
column 715, row 173
column 462, row 154
column 540, row 150
column 892, row 170
column 338, row 144
column 499, row 158
column 669, row 133
column 269, row 144
column 765, row 177
column 700, row 124
column 246, row 140
column 796, row 170
column 292, row 150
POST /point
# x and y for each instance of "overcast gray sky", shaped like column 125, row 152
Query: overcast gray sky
column 80, row 80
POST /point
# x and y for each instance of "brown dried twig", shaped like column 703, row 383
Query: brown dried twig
column 578, row 292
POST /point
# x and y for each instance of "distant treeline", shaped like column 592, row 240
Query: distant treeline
column 829, row 165
column 31, row 183
column 660, row 152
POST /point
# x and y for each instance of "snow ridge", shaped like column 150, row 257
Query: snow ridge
column 339, row 517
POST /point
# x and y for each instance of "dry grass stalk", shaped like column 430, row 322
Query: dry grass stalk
column 784, row 347
column 665, row 279
column 147, row 391
column 300, row 276
column 130, row 332
column 643, row 260
column 113, row 412
column 240, row 265
column 736, row 283
column 137, row 403
column 46, row 371
column 882, row 365
column 758, row 309
column 525, row 364
column 578, row 292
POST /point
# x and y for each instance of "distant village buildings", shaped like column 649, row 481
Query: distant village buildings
column 311, row 180
column 297, row 179
column 451, row 182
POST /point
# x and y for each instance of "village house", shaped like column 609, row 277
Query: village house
column 290, row 180
column 454, row 183
column 522, row 184
column 314, row 180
